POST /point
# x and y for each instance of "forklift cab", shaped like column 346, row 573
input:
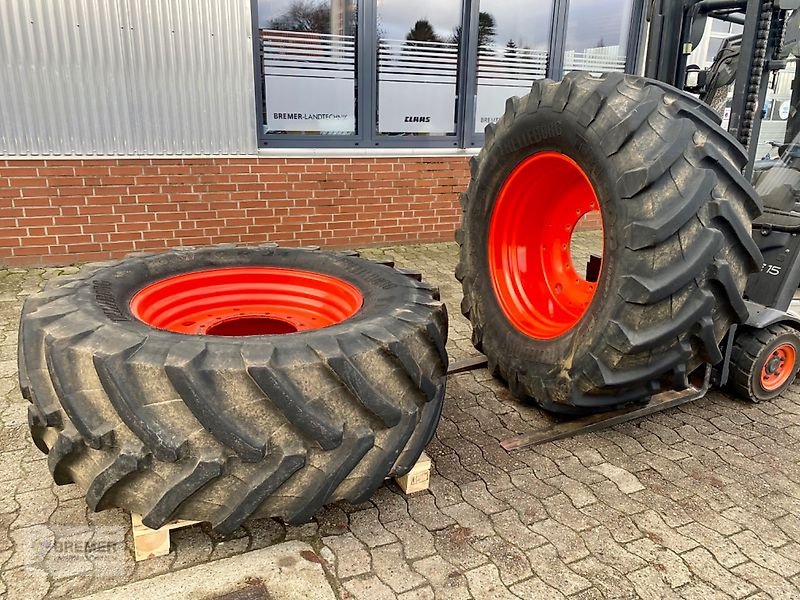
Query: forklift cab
column 735, row 85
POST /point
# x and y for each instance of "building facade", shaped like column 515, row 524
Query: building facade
column 138, row 125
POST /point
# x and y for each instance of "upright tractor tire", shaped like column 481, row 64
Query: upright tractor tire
column 224, row 383
column 664, row 182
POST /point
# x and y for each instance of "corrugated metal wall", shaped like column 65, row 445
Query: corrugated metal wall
column 126, row 77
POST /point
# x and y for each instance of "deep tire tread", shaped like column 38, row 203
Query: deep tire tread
column 685, row 253
column 140, row 420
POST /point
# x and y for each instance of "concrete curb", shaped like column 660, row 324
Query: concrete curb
column 287, row 571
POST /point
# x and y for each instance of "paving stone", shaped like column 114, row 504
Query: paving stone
column 536, row 588
column 663, row 560
column 624, row 480
column 578, row 493
column 609, row 493
column 366, row 526
column 484, row 582
column 561, row 509
column 767, row 532
column 767, row 581
column 389, row 564
column 477, row 495
column 763, row 555
column 447, row 581
column 424, row 511
column 510, row 561
column 26, row 583
column 602, row 545
column 417, row 541
column 697, row 590
column 35, row 508
column 670, row 510
column 652, row 524
column 651, row 585
column 369, row 588
column 509, row 527
column 453, row 545
column 470, row 518
column 622, row 527
column 724, row 550
column 568, row 544
column 423, row 593
column 352, row 557
column 609, row 582
column 546, row 565
column 332, row 520
column 702, row 564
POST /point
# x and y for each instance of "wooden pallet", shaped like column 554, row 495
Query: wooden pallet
column 150, row 543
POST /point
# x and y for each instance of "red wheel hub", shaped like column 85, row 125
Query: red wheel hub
column 243, row 301
column 538, row 288
column 778, row 367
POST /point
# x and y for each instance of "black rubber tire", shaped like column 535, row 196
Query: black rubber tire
column 751, row 348
column 220, row 429
column 677, row 214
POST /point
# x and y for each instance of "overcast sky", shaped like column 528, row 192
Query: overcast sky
column 527, row 22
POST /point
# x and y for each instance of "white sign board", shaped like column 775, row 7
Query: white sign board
column 491, row 103
column 783, row 111
column 310, row 104
column 416, row 107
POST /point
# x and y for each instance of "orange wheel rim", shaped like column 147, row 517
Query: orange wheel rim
column 530, row 231
column 778, row 367
column 245, row 301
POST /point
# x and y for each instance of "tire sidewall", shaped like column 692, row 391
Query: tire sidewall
column 106, row 296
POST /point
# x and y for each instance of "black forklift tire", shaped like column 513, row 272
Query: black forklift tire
column 676, row 214
column 764, row 362
column 224, row 425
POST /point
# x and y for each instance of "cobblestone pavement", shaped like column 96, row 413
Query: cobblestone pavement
column 702, row 501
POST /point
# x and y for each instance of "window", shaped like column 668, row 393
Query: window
column 418, row 50
column 389, row 73
column 513, row 41
column 597, row 35
column 309, row 66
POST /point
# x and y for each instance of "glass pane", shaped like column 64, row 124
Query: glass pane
column 597, row 35
column 309, row 61
column 714, row 36
column 777, row 107
column 417, row 66
column 513, row 39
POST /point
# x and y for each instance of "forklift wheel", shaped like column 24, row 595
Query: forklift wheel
column 764, row 362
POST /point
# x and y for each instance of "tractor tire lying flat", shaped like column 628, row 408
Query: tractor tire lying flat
column 272, row 382
column 676, row 214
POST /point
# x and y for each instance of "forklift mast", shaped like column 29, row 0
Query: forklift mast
column 676, row 29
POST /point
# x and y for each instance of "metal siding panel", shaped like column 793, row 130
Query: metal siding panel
column 126, row 77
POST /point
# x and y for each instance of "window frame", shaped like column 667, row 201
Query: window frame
column 466, row 92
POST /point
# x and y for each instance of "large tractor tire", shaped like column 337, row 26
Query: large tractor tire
column 675, row 213
column 222, row 383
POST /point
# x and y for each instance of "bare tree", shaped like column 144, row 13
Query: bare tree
column 305, row 16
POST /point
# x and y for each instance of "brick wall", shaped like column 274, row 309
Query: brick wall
column 67, row 211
